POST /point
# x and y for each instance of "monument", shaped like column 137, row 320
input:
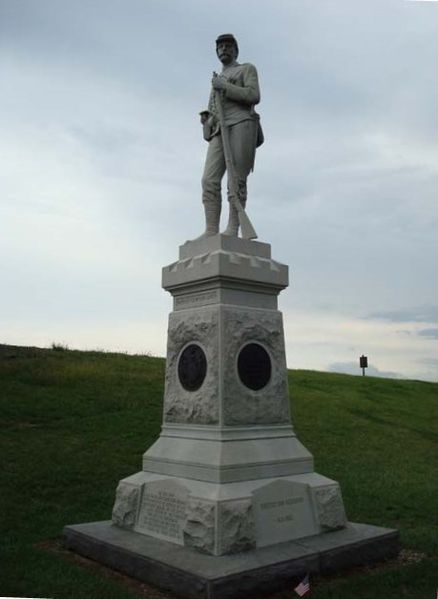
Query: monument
column 227, row 502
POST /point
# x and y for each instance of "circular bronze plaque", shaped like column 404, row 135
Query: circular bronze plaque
column 192, row 367
column 254, row 366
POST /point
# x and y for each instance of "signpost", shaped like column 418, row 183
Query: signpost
column 363, row 363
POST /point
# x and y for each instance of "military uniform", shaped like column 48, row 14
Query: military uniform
column 239, row 97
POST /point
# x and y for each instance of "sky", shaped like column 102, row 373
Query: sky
column 102, row 154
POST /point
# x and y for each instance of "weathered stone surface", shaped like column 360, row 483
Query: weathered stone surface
column 242, row 405
column 200, row 406
column 233, row 529
column 199, row 528
column 125, row 506
column 330, row 508
column 236, row 526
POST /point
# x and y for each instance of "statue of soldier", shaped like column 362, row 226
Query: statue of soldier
column 239, row 92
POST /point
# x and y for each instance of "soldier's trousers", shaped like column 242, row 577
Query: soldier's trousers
column 243, row 146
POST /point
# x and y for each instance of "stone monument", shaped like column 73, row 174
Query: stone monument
column 227, row 501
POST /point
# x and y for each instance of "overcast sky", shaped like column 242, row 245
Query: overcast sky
column 102, row 154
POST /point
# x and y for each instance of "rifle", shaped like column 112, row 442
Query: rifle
column 248, row 231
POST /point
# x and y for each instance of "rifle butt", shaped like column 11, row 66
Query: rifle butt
column 248, row 231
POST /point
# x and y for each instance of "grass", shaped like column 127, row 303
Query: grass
column 74, row 423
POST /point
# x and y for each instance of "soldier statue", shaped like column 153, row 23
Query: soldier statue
column 232, row 128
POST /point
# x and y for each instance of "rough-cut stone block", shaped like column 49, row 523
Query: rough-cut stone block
column 200, row 525
column 200, row 406
column 125, row 507
column 330, row 507
column 242, row 405
column 237, row 526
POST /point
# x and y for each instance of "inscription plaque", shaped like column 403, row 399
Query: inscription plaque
column 254, row 366
column 163, row 510
column 283, row 512
column 208, row 297
column 192, row 367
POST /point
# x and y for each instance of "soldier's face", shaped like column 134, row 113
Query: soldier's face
column 226, row 52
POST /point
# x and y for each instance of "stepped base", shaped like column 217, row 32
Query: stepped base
column 218, row 518
column 194, row 575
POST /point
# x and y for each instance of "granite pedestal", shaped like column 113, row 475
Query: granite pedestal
column 254, row 573
column 227, row 482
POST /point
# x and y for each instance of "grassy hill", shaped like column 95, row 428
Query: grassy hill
column 74, row 423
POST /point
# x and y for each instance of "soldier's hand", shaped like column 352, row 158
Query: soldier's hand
column 219, row 83
column 204, row 116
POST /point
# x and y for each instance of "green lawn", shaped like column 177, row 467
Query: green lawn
column 74, row 423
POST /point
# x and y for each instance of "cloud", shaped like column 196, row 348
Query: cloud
column 413, row 314
column 102, row 157
column 431, row 333
column 430, row 361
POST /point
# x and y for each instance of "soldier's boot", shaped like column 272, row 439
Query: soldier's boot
column 212, row 212
column 233, row 222
column 233, row 219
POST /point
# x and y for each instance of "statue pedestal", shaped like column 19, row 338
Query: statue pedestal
column 227, row 474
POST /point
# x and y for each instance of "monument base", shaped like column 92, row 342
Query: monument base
column 194, row 575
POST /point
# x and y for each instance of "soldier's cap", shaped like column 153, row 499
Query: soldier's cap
column 227, row 37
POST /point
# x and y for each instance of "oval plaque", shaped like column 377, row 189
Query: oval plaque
column 254, row 366
column 192, row 367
